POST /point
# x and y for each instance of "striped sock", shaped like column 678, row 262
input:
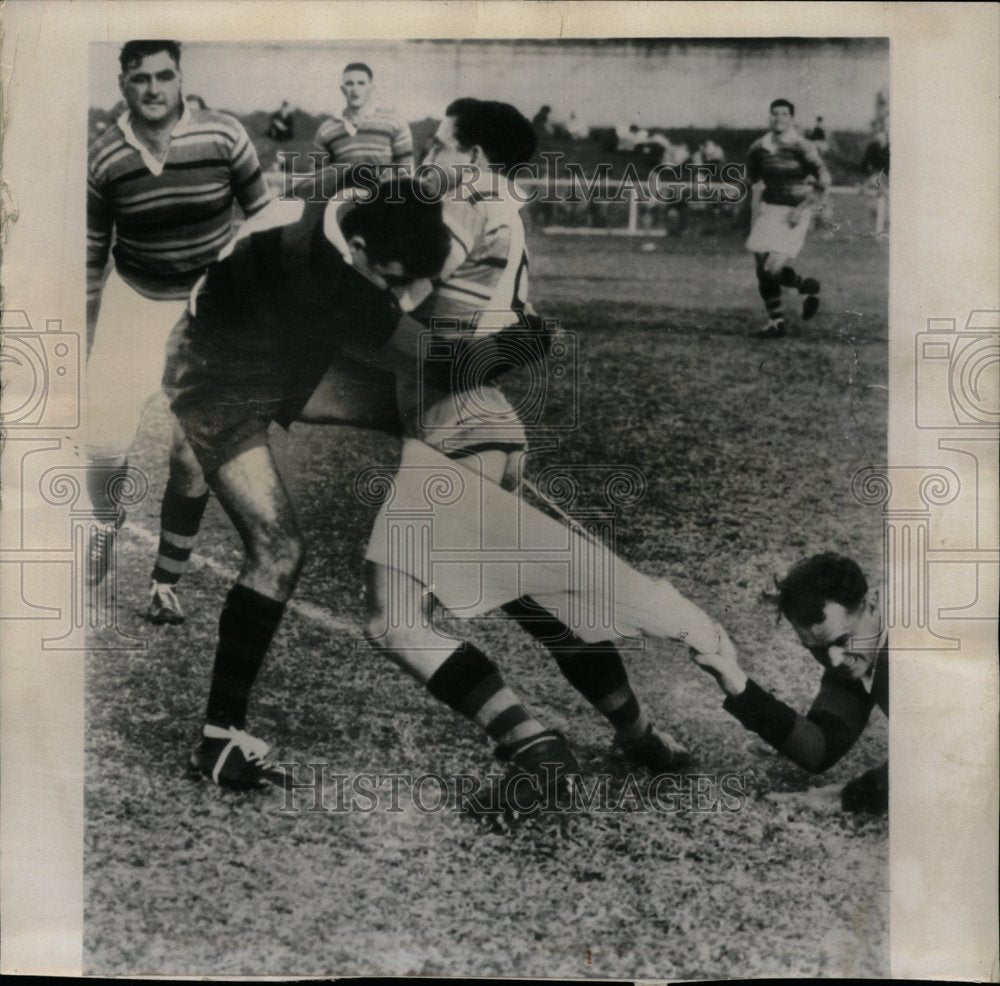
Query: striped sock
column 470, row 683
column 246, row 627
column 180, row 518
column 596, row 670
column 770, row 291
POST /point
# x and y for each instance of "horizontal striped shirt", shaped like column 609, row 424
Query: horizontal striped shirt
column 168, row 219
column 487, row 269
column 787, row 165
column 378, row 137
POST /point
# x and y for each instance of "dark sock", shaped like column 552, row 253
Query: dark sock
column 770, row 291
column 596, row 670
column 789, row 278
column 180, row 518
column 246, row 627
column 471, row 684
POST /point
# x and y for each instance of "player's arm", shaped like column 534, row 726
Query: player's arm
column 246, row 177
column 815, row 741
column 100, row 224
column 402, row 145
column 814, row 164
column 755, row 178
column 321, row 143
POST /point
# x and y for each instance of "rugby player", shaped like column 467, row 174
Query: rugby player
column 259, row 332
column 365, row 132
column 484, row 279
column 796, row 184
column 161, row 183
column 837, row 618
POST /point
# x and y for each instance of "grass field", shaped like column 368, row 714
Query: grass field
column 748, row 449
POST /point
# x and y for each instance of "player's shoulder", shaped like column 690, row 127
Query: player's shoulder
column 465, row 218
column 760, row 144
column 218, row 122
column 111, row 137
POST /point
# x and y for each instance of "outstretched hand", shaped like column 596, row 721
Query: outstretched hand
column 723, row 664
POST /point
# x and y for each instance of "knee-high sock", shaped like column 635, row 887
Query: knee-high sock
column 770, row 292
column 247, row 625
column 471, row 684
column 180, row 519
column 104, row 473
column 595, row 670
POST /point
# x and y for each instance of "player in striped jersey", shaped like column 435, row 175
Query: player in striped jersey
column 796, row 183
column 483, row 289
column 161, row 185
column 364, row 132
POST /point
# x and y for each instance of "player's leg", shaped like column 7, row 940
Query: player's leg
column 769, row 288
column 808, row 286
column 123, row 372
column 251, row 491
column 597, row 672
column 181, row 512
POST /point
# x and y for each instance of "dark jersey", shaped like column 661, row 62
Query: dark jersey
column 787, row 166
column 834, row 723
column 266, row 322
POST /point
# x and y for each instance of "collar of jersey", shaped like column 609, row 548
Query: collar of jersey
column 182, row 125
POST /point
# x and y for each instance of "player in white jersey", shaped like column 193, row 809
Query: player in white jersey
column 482, row 292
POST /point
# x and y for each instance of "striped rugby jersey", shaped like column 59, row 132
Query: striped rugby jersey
column 378, row 137
column 785, row 165
column 487, row 269
column 170, row 218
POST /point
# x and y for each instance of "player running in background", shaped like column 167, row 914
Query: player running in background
column 796, row 183
column 365, row 132
column 258, row 335
column 161, row 184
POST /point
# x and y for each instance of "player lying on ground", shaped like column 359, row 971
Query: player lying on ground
column 259, row 333
column 161, row 181
column 796, row 183
column 838, row 619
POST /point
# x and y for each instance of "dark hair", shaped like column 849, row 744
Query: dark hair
column 499, row 129
column 401, row 222
column 783, row 102
column 133, row 52
column 358, row 67
column 810, row 584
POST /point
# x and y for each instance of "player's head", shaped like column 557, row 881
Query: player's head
column 837, row 617
column 356, row 84
column 782, row 115
column 150, row 79
column 483, row 133
column 397, row 235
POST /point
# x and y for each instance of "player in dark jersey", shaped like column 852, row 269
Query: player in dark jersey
column 796, row 184
column 837, row 617
column 257, row 337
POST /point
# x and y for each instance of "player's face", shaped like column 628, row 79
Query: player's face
column 356, row 87
column 781, row 119
column 847, row 640
column 384, row 275
column 444, row 152
column 152, row 88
